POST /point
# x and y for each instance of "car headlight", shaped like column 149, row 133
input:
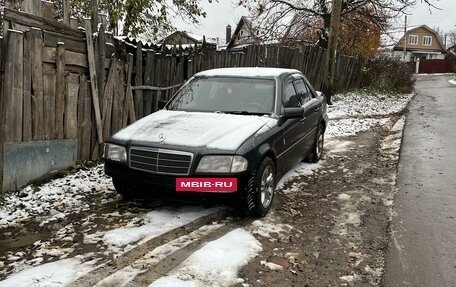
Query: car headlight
column 115, row 152
column 222, row 164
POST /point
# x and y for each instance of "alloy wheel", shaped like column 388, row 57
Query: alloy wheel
column 267, row 186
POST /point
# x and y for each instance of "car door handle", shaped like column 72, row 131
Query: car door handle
column 317, row 109
column 303, row 119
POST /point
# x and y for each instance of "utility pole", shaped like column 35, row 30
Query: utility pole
column 330, row 67
column 405, row 39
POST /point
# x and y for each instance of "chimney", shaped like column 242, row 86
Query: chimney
column 228, row 34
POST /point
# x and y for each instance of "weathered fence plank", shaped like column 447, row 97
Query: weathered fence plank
column 48, row 55
column 66, row 12
column 39, row 22
column 122, row 95
column 37, row 86
column 60, row 91
column 157, row 81
column 113, row 76
column 71, row 106
column 80, row 116
column 138, row 98
column 129, row 94
column 32, row 7
column 27, row 134
column 74, row 44
column 86, row 114
column 117, row 108
column 94, row 81
column 100, row 58
column 148, row 80
column 13, row 88
column 49, row 78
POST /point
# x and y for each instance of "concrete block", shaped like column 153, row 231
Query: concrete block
column 28, row 161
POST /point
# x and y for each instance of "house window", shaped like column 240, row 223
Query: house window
column 427, row 40
column 413, row 39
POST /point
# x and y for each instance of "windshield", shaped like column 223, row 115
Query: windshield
column 226, row 95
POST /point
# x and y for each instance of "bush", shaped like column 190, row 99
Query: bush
column 387, row 75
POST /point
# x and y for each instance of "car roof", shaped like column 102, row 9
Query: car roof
column 244, row 72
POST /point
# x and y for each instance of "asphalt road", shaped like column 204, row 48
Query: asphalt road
column 422, row 246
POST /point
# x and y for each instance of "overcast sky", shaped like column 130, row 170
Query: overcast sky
column 227, row 12
column 445, row 18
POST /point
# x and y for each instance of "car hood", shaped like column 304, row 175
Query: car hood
column 194, row 129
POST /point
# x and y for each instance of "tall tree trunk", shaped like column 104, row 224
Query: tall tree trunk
column 328, row 84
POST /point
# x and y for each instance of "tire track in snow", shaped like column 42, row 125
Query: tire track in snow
column 141, row 250
column 154, row 272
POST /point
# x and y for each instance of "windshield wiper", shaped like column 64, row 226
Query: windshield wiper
column 245, row 113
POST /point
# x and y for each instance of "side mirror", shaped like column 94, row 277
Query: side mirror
column 320, row 94
column 293, row 113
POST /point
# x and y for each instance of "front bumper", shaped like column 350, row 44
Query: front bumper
column 160, row 182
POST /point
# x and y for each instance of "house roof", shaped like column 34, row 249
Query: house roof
column 244, row 21
column 193, row 37
column 436, row 34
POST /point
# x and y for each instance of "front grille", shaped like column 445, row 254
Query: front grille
column 162, row 161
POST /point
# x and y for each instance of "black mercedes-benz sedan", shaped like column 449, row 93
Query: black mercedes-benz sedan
column 232, row 130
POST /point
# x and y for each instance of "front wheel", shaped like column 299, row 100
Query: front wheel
column 317, row 149
column 260, row 189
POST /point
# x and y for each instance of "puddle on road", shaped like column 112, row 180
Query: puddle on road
column 19, row 242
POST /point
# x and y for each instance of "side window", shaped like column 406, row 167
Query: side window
column 290, row 97
column 303, row 91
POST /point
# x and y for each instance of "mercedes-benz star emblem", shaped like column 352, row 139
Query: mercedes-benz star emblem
column 162, row 137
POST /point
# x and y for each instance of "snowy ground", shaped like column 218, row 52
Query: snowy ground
column 214, row 263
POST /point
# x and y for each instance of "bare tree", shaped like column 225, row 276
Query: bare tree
column 292, row 18
column 451, row 38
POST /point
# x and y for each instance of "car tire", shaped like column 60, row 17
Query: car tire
column 260, row 189
column 123, row 189
column 317, row 149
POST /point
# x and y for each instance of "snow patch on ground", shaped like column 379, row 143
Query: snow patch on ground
column 215, row 264
column 453, row 81
column 55, row 199
column 268, row 228
column 120, row 278
column 352, row 126
column 366, row 105
column 155, row 256
column 52, row 274
column 337, row 146
column 353, row 113
column 302, row 168
column 150, row 225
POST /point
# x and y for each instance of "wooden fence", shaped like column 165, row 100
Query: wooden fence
column 171, row 67
column 59, row 82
